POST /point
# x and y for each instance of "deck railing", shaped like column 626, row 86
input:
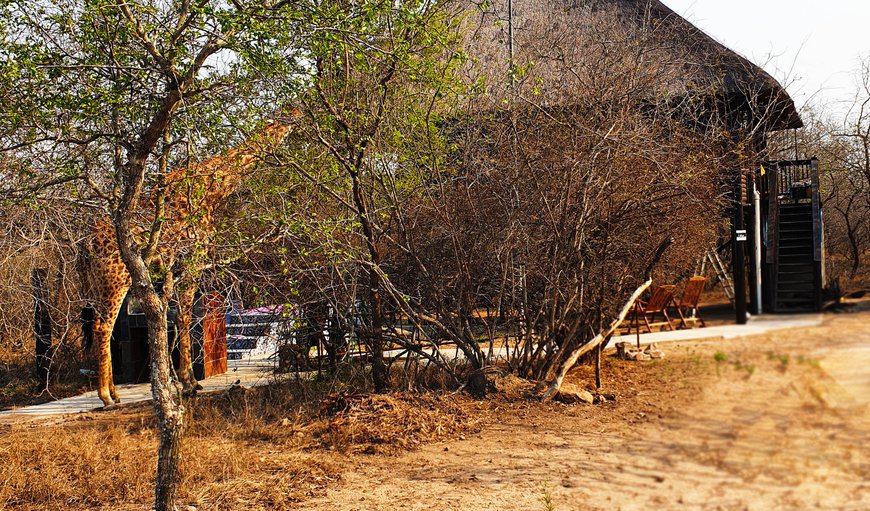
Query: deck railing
column 786, row 179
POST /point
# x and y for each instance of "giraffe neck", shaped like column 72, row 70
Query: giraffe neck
column 232, row 167
column 219, row 176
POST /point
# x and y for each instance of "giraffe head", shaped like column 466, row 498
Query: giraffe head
column 277, row 127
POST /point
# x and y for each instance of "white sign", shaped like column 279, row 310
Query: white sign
column 741, row 234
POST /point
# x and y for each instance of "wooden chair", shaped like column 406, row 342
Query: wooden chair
column 662, row 298
column 687, row 308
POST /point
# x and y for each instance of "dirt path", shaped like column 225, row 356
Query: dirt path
column 248, row 373
column 779, row 422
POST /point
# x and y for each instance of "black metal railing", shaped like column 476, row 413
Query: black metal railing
column 795, row 179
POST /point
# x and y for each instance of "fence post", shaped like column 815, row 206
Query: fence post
column 41, row 324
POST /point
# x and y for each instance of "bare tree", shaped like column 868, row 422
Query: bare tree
column 563, row 169
column 848, row 175
column 583, row 156
column 841, row 141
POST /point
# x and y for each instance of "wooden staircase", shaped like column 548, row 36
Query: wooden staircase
column 795, row 285
column 793, row 235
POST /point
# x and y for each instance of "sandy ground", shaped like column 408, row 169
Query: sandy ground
column 776, row 421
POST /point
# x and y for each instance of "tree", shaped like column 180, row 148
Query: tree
column 529, row 203
column 99, row 98
column 848, row 175
column 576, row 163
column 379, row 83
column 841, row 141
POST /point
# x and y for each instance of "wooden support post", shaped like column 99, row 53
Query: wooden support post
column 598, row 363
column 818, row 237
column 770, row 257
column 738, row 259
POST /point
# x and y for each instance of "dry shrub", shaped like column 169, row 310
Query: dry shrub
column 511, row 387
column 268, row 413
column 420, row 375
column 18, row 380
column 19, row 385
column 386, row 424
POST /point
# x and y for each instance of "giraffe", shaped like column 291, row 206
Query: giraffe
column 193, row 195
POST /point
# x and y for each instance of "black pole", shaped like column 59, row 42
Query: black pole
column 41, row 325
column 88, row 316
column 738, row 259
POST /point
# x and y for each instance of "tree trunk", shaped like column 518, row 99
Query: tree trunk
column 183, row 323
column 167, row 402
column 380, row 378
column 854, row 247
column 168, row 466
column 168, row 406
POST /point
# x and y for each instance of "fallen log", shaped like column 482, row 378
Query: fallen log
column 583, row 349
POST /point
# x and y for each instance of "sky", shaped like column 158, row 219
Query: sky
column 813, row 47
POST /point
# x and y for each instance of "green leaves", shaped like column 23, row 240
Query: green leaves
column 81, row 82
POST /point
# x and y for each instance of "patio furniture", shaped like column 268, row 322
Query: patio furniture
column 687, row 308
column 661, row 299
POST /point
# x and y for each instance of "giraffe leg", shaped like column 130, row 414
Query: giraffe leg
column 112, row 391
column 103, row 341
column 106, row 281
column 183, row 322
column 113, row 299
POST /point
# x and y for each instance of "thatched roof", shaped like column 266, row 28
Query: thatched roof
column 566, row 43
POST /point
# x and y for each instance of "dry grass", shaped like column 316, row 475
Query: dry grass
column 270, row 447
column 86, row 466
column 76, row 465
column 263, row 448
column 273, row 447
column 19, row 385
